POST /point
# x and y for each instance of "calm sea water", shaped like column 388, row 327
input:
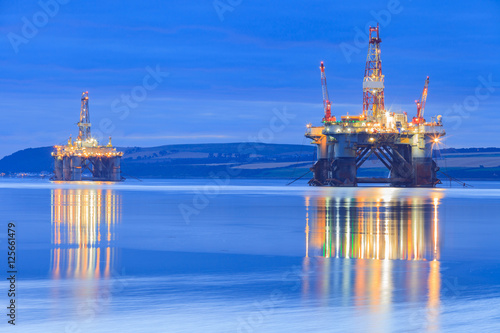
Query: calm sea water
column 252, row 256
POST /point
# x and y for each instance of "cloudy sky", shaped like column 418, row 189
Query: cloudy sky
column 164, row 72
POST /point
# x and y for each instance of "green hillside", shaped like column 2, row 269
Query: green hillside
column 248, row 160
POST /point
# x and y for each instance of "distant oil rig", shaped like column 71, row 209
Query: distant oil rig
column 84, row 153
column 404, row 148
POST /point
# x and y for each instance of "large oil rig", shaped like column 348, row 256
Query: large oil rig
column 84, row 153
column 404, row 148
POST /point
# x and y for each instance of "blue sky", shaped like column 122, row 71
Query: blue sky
column 229, row 68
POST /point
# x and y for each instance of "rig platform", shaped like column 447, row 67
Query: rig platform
column 85, row 153
column 404, row 147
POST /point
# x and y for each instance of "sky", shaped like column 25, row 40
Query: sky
column 169, row 72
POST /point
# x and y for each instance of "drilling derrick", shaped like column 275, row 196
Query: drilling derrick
column 84, row 123
column 373, row 82
column 404, row 148
column 85, row 153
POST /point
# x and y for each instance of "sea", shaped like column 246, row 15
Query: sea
column 229, row 255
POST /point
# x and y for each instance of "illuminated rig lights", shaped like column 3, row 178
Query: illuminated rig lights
column 85, row 153
column 403, row 147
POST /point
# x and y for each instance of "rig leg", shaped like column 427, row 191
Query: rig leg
column 344, row 169
column 320, row 172
column 401, row 167
column 76, row 168
column 424, row 168
column 58, row 168
column 321, row 168
column 66, row 168
column 116, row 175
column 98, row 169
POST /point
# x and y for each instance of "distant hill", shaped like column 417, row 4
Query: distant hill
column 245, row 160
column 470, row 150
column 249, row 160
column 186, row 160
column 28, row 160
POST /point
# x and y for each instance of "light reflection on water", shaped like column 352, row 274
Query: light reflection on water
column 83, row 232
column 373, row 225
column 356, row 249
column 369, row 252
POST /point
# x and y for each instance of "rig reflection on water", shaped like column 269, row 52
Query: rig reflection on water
column 372, row 250
column 375, row 249
column 376, row 224
column 83, row 232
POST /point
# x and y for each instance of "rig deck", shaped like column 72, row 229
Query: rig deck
column 85, row 153
column 404, row 148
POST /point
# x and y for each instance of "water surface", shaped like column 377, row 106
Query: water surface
column 253, row 256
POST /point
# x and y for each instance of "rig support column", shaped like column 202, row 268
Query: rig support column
column 98, row 168
column 402, row 173
column 67, row 168
column 344, row 168
column 116, row 173
column 424, row 167
column 58, row 168
column 321, row 167
column 76, row 168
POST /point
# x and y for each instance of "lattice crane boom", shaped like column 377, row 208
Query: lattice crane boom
column 420, row 113
column 327, row 105
column 419, row 119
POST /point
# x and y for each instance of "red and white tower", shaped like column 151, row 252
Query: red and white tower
column 373, row 82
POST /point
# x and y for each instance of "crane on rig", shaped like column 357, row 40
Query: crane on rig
column 327, row 105
column 419, row 119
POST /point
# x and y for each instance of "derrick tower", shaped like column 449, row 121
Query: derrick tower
column 373, row 82
column 84, row 123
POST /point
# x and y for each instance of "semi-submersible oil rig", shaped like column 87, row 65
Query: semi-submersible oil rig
column 404, row 148
column 84, row 153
